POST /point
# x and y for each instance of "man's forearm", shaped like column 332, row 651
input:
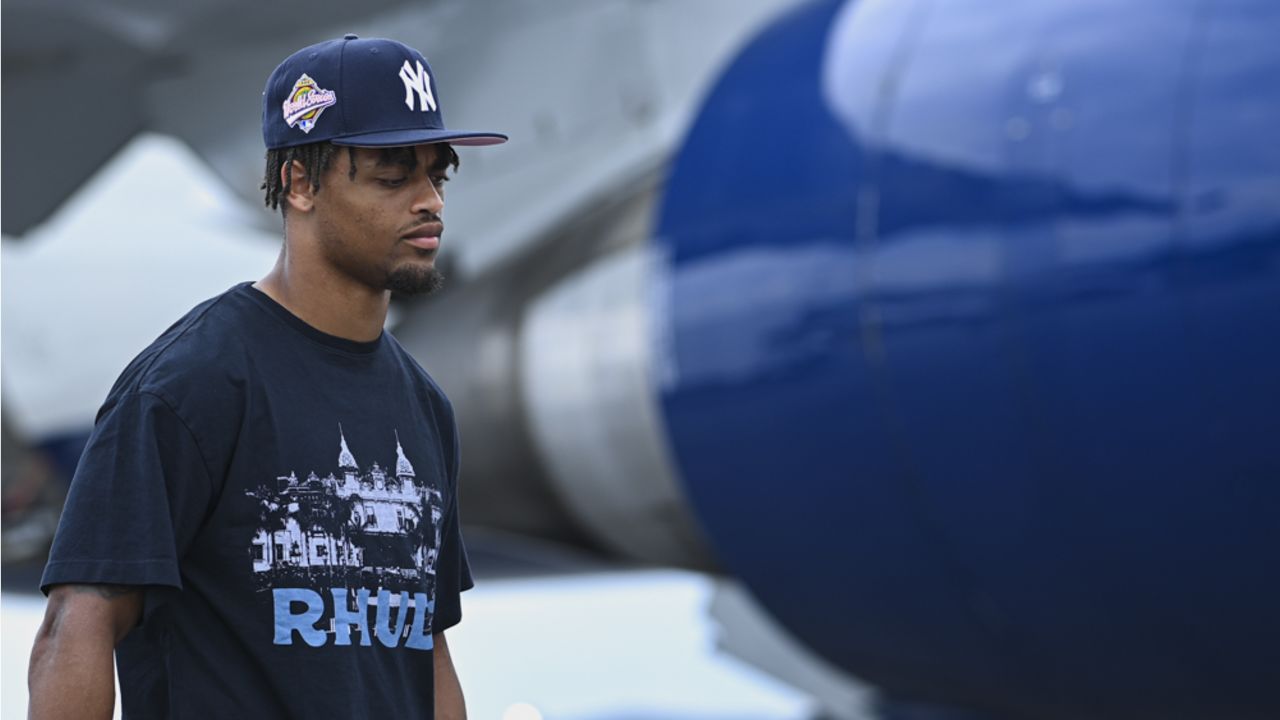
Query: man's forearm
column 72, row 670
column 450, row 704
column 70, row 678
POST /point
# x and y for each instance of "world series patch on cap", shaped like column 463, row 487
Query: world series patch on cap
column 367, row 92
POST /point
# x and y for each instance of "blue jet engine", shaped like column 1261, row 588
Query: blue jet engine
column 970, row 347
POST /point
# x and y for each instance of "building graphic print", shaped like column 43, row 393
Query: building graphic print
column 376, row 528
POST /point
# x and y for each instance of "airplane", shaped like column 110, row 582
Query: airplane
column 947, row 329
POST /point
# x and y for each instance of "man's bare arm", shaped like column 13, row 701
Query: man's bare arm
column 449, row 702
column 72, row 664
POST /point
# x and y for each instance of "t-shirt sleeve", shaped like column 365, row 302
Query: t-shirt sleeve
column 453, row 571
column 137, row 499
column 453, row 575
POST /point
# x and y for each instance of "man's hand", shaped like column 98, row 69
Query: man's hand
column 449, row 702
column 72, row 664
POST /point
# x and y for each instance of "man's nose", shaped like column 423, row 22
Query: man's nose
column 429, row 198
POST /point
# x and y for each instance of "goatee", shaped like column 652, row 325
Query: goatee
column 414, row 281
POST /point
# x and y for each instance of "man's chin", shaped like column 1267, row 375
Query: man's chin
column 415, row 280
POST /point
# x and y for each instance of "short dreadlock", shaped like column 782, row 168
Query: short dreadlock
column 317, row 157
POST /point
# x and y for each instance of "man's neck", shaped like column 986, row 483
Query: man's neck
column 334, row 305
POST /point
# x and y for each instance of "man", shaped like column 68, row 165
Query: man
column 264, row 523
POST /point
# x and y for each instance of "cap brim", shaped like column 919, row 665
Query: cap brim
column 419, row 136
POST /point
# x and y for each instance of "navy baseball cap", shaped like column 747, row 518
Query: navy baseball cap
column 367, row 92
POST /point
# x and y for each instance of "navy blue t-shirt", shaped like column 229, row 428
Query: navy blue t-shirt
column 288, row 499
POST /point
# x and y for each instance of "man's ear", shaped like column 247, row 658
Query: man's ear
column 301, row 197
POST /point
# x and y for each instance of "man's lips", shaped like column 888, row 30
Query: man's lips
column 426, row 237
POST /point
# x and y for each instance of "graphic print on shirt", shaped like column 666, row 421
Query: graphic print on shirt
column 351, row 556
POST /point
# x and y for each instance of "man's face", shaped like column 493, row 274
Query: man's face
column 382, row 227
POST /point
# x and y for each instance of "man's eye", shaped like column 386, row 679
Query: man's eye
column 392, row 182
column 439, row 180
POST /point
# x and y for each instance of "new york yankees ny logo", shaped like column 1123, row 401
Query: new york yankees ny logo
column 417, row 80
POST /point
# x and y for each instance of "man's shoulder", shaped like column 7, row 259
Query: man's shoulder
column 418, row 374
column 202, row 349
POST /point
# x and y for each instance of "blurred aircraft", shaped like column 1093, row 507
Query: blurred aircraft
column 949, row 329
